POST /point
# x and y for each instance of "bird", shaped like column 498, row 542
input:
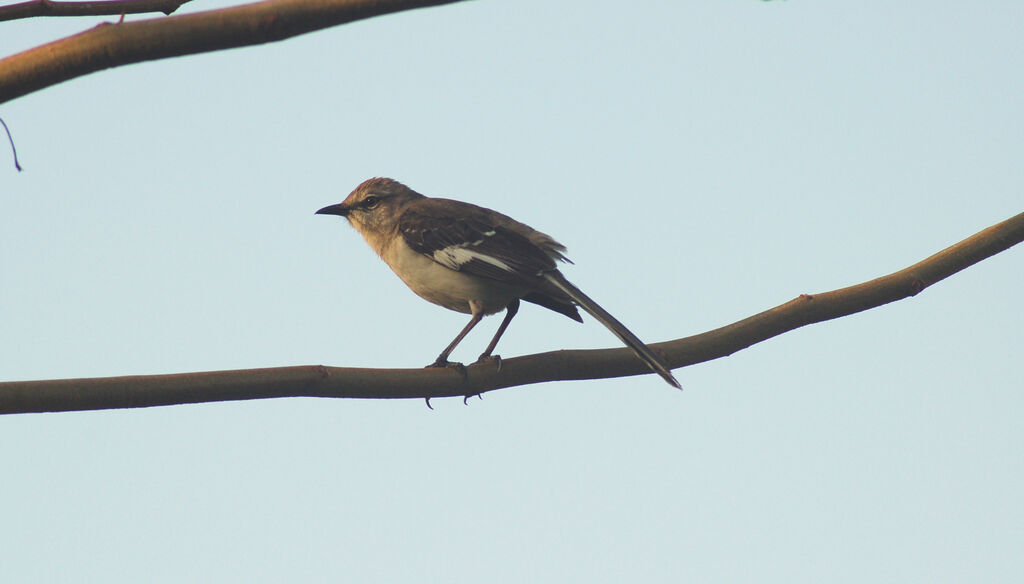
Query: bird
column 472, row 260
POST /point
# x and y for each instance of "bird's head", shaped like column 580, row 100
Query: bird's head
column 374, row 206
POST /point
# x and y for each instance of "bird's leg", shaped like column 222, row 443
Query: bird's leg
column 442, row 359
column 510, row 312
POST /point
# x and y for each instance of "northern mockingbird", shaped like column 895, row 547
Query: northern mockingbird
column 472, row 260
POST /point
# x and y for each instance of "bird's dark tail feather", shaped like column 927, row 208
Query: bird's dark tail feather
column 618, row 329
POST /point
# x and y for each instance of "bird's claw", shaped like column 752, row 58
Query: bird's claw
column 445, row 364
column 496, row 359
column 483, row 360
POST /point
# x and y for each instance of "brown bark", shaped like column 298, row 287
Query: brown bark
column 111, row 45
column 34, row 8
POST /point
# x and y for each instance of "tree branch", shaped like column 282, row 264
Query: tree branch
column 320, row 381
column 34, row 8
column 110, row 45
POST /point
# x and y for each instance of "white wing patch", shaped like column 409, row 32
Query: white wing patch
column 455, row 257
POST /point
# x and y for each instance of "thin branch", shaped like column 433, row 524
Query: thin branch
column 14, row 151
column 34, row 8
column 111, row 45
column 320, row 381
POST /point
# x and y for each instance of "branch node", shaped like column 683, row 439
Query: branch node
column 916, row 285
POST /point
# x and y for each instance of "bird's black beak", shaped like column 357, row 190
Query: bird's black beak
column 338, row 209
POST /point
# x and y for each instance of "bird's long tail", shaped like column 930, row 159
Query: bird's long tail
column 611, row 323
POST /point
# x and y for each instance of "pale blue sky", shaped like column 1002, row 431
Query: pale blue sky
column 702, row 160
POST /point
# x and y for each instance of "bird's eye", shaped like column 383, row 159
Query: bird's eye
column 371, row 202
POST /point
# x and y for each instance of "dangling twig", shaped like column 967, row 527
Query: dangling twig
column 11, row 140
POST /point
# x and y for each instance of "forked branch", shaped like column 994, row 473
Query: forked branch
column 321, row 381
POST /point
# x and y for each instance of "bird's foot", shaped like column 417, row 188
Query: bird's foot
column 484, row 359
column 446, row 364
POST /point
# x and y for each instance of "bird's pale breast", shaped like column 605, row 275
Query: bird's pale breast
column 443, row 286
